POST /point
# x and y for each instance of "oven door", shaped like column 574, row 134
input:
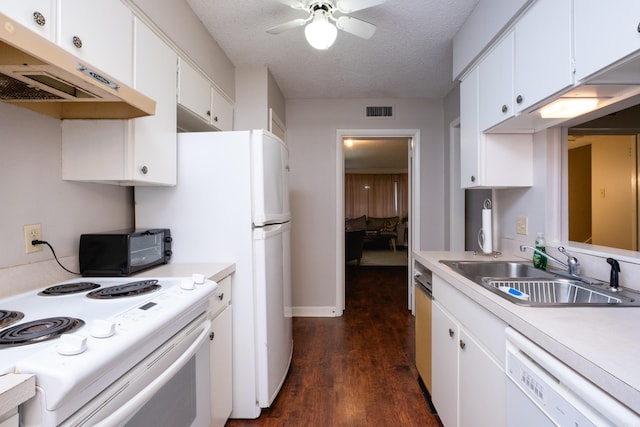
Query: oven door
column 169, row 388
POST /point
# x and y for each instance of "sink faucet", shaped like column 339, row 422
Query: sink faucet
column 572, row 265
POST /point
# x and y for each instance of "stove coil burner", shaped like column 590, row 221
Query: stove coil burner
column 38, row 330
column 125, row 290
column 68, row 288
column 9, row 317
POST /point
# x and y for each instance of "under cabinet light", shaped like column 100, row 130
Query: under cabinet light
column 566, row 108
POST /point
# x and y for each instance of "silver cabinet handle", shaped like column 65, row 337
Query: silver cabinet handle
column 144, row 170
column 221, row 296
column 519, row 99
column 451, row 332
column 473, row 178
column 505, row 108
column 39, row 18
column 212, row 336
column 77, row 42
column 462, row 344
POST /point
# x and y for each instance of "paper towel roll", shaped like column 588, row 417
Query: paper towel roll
column 487, row 247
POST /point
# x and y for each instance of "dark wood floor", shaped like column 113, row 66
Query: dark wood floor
column 358, row 369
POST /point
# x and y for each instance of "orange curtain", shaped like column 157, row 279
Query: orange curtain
column 376, row 195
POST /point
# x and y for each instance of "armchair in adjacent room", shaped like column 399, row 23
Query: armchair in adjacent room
column 353, row 242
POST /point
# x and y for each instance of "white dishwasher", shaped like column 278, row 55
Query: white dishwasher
column 542, row 391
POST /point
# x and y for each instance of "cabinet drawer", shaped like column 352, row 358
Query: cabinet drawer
column 221, row 298
column 482, row 324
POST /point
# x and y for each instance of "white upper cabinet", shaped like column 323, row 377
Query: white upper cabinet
column 469, row 130
column 496, row 100
column 101, row 33
column 490, row 160
column 201, row 106
column 37, row 15
column 531, row 63
column 543, row 60
column 605, row 32
column 130, row 152
column 194, row 91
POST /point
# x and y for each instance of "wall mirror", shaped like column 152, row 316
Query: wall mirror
column 603, row 180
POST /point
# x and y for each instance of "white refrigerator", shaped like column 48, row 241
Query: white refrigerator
column 231, row 204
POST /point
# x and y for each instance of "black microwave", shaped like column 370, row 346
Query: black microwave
column 123, row 252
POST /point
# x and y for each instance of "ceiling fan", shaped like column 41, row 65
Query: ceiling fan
column 319, row 30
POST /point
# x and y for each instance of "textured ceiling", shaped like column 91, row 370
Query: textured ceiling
column 409, row 56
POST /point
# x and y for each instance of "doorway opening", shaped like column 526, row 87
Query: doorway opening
column 375, row 201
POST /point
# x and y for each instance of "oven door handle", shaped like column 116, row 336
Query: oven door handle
column 132, row 406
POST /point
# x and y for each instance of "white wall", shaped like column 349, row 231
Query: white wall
column 32, row 191
column 256, row 92
column 311, row 134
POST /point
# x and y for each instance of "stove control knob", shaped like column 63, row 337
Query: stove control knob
column 187, row 284
column 198, row 279
column 71, row 344
column 102, row 328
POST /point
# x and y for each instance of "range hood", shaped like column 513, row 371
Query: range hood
column 37, row 74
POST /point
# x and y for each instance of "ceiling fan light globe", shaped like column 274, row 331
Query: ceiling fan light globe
column 320, row 33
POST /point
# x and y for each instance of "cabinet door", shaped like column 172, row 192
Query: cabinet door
column 221, row 364
column 482, row 386
column 496, row 84
column 605, row 32
column 155, row 136
column 222, row 117
column 469, row 132
column 130, row 152
column 194, row 91
column 543, row 60
column 36, row 15
column 99, row 32
column 445, row 336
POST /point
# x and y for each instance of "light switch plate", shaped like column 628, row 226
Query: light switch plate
column 522, row 226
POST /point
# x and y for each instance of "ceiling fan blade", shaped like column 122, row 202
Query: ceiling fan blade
column 348, row 6
column 295, row 4
column 287, row 26
column 355, row 26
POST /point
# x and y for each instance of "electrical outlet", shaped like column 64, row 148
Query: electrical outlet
column 32, row 232
column 522, row 226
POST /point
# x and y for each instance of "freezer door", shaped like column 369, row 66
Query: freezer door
column 270, row 178
column 272, row 290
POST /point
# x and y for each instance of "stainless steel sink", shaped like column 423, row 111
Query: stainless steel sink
column 523, row 284
column 507, row 269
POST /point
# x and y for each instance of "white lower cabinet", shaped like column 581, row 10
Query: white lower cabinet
column 221, row 353
column 469, row 382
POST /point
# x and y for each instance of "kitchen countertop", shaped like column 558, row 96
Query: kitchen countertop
column 15, row 389
column 600, row 343
column 215, row 271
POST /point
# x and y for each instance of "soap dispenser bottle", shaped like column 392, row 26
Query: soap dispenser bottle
column 540, row 261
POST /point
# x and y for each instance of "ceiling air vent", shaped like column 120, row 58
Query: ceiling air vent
column 379, row 111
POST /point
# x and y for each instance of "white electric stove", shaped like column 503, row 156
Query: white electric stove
column 109, row 326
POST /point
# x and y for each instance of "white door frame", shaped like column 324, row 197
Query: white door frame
column 414, row 202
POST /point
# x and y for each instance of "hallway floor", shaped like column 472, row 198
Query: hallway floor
column 358, row 369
